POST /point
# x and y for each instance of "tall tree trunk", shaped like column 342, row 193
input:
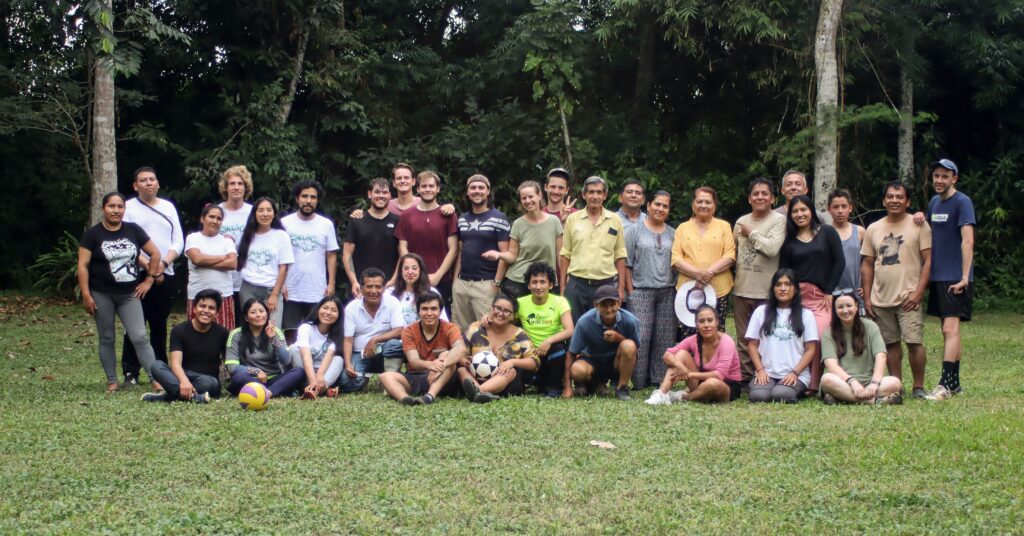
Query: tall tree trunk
column 646, row 59
column 104, row 149
column 568, row 145
column 826, row 106
column 905, row 145
column 293, row 86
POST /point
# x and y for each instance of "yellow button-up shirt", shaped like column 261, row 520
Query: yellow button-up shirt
column 593, row 249
column 704, row 250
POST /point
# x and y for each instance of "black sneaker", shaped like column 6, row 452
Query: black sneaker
column 131, row 379
column 200, row 398
column 622, row 393
column 828, row 399
column 471, row 389
column 581, row 390
column 483, row 397
column 154, row 397
column 410, row 401
column 427, row 399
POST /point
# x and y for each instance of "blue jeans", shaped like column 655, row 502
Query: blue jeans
column 279, row 385
column 389, row 360
column 202, row 383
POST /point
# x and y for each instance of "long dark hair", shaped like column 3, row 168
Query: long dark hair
column 250, row 230
column 334, row 333
column 857, row 333
column 419, row 286
column 700, row 338
column 791, row 228
column 259, row 343
column 796, row 310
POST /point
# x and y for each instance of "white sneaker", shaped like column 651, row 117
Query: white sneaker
column 679, row 396
column 659, row 399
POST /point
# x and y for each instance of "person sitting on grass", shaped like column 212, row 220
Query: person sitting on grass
column 603, row 347
column 516, row 355
column 197, row 350
column 257, row 353
column 782, row 338
column 315, row 352
column 854, row 356
column 547, row 320
column 373, row 327
column 707, row 361
column 432, row 349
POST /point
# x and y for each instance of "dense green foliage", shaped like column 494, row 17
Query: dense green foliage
column 79, row 461
column 676, row 94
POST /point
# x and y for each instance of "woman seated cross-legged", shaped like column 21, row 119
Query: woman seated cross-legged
column 853, row 353
column 257, row 353
column 516, row 356
column 707, row 361
column 315, row 353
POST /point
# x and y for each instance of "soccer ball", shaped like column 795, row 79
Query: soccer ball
column 484, row 364
column 253, row 396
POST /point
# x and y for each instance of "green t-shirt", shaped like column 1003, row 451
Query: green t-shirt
column 536, row 244
column 860, row 366
column 542, row 321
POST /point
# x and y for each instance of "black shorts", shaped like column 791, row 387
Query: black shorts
column 518, row 385
column 604, row 369
column 734, row 389
column 944, row 304
column 294, row 313
column 418, row 384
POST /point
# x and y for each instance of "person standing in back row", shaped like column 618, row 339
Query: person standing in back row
column 370, row 241
column 794, row 183
column 159, row 218
column 315, row 250
column 483, row 237
column 426, row 231
column 235, row 186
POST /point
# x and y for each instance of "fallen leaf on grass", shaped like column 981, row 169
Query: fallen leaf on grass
column 48, row 378
column 83, row 403
column 24, row 343
column 602, row 444
column 33, row 369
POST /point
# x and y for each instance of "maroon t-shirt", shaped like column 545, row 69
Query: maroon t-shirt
column 426, row 233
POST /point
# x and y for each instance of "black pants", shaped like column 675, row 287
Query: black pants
column 581, row 295
column 156, row 307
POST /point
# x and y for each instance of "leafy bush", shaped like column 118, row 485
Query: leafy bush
column 56, row 270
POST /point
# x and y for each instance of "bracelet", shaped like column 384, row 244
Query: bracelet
column 850, row 379
column 875, row 382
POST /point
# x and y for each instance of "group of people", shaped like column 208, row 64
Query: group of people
column 571, row 301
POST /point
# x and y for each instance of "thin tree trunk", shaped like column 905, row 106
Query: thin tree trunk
column 568, row 145
column 293, row 87
column 104, row 148
column 826, row 148
column 645, row 61
column 905, row 145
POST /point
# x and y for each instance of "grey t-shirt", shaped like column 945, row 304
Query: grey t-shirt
column 649, row 254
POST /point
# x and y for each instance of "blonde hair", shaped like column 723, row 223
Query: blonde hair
column 238, row 171
column 428, row 175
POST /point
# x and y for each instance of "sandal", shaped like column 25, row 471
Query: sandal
column 112, row 387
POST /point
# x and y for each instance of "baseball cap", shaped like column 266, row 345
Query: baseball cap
column 945, row 163
column 478, row 178
column 606, row 292
column 559, row 172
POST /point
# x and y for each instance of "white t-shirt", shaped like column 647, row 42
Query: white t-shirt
column 310, row 240
column 782, row 350
column 267, row 252
column 360, row 326
column 310, row 337
column 232, row 227
column 409, row 311
column 200, row 277
column 160, row 223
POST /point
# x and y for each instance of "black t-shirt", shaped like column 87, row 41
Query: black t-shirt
column 200, row 352
column 819, row 261
column 114, row 267
column 375, row 243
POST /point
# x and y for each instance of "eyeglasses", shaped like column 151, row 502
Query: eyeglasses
column 501, row 310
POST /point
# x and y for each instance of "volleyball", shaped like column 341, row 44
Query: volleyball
column 253, row 396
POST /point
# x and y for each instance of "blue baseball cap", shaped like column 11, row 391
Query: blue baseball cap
column 946, row 163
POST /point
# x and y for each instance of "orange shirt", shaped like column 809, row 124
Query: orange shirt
column 704, row 250
column 447, row 336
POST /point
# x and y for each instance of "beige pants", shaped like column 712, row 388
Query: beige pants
column 471, row 300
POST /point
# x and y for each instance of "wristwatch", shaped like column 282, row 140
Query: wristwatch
column 497, row 282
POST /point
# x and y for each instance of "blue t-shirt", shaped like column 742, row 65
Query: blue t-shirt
column 946, row 218
column 480, row 233
column 588, row 338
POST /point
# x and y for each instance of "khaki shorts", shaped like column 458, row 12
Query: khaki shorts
column 897, row 324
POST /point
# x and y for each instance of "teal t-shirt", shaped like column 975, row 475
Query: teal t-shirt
column 862, row 365
column 542, row 321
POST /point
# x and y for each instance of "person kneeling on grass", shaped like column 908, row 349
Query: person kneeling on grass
column 516, row 355
column 257, row 353
column 197, row 349
column 315, row 353
column 854, row 356
column 707, row 361
column 782, row 338
column 432, row 349
column 547, row 320
column 603, row 347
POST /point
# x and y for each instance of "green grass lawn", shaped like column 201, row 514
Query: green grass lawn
column 77, row 460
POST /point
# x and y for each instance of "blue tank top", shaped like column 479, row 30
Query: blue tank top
column 851, row 254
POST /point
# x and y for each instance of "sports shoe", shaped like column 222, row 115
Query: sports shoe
column 679, row 396
column 828, row 399
column 484, row 397
column 200, row 398
column 131, row 379
column 427, row 399
column 622, row 393
column 332, row 392
column 154, row 397
column 941, row 392
column 894, row 399
column 658, row 398
column 581, row 390
column 410, row 401
column 553, row 393
column 471, row 389
column 919, row 392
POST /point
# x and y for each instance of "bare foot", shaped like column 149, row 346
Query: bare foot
column 112, row 387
